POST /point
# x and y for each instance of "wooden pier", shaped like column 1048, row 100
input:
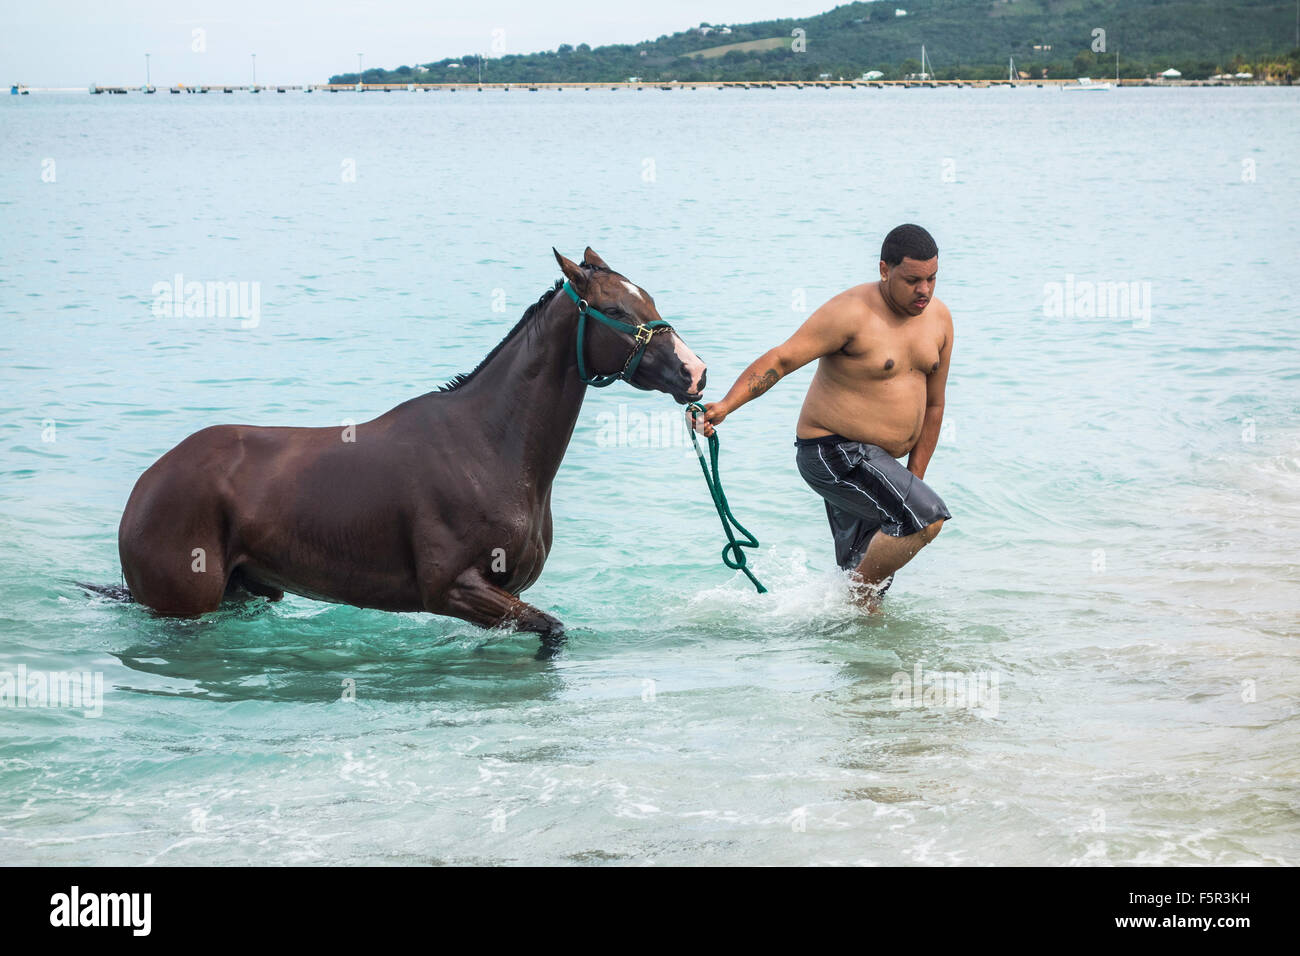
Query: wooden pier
column 670, row 85
column 560, row 87
column 660, row 85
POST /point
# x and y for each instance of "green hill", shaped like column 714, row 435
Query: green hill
column 967, row 39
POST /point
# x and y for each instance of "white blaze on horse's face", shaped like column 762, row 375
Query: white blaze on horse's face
column 694, row 367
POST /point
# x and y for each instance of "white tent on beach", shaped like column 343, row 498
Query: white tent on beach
column 1170, row 74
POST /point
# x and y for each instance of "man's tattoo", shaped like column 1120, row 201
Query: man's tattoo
column 757, row 386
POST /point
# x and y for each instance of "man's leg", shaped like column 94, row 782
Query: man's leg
column 886, row 554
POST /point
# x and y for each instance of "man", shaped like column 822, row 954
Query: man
column 884, row 349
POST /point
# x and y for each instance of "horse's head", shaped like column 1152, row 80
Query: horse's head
column 665, row 364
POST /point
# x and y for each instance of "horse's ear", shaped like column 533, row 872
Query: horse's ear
column 572, row 271
column 589, row 258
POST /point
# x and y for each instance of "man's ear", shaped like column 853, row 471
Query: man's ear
column 572, row 271
column 590, row 258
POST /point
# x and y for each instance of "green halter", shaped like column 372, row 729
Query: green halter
column 641, row 333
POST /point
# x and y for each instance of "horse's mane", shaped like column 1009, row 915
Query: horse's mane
column 460, row 378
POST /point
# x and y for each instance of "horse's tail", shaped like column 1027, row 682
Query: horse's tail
column 114, row 592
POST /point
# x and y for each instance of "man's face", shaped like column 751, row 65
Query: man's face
column 910, row 284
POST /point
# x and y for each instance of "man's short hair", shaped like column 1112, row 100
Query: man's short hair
column 908, row 241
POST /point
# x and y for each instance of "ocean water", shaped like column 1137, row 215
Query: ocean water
column 1116, row 596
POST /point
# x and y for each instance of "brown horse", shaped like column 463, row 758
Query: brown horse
column 442, row 504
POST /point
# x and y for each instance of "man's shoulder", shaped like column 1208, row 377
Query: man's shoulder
column 856, row 303
column 865, row 295
column 941, row 311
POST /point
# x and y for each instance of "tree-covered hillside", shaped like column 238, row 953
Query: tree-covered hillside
column 967, row 39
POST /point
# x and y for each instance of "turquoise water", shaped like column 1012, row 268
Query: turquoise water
column 1121, row 569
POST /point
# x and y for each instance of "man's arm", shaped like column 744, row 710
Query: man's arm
column 827, row 330
column 935, row 385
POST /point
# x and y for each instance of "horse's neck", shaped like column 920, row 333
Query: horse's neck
column 529, row 396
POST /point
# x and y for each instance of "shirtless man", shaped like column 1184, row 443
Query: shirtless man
column 883, row 351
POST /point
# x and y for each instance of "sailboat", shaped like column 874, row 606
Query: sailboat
column 1011, row 75
column 924, row 75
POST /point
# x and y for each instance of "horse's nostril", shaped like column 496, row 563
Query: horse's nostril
column 703, row 377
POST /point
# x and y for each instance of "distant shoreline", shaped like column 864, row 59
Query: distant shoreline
column 220, row 88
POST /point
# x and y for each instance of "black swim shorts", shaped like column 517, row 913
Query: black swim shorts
column 866, row 490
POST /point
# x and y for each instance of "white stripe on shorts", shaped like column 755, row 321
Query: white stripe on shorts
column 844, row 481
column 901, row 500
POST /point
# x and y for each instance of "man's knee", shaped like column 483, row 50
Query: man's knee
column 931, row 531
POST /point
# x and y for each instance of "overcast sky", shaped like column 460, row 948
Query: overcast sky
column 78, row 42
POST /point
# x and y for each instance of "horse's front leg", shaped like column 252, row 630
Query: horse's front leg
column 475, row 599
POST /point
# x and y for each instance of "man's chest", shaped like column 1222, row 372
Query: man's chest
column 881, row 352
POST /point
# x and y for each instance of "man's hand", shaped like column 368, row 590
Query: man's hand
column 713, row 415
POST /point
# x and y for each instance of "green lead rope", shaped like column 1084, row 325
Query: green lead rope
column 732, row 555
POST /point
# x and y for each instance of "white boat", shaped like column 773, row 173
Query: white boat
column 1012, row 78
column 1085, row 83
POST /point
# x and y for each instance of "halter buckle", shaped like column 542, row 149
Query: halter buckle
column 644, row 334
